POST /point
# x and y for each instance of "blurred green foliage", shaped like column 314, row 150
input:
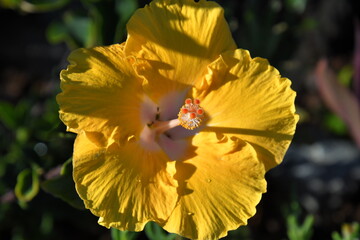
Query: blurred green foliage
column 60, row 186
column 348, row 232
column 335, row 124
column 101, row 23
column 97, row 22
column 296, row 230
column 27, row 185
column 33, row 6
column 154, row 232
column 123, row 235
column 280, row 21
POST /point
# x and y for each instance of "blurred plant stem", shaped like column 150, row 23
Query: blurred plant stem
column 357, row 60
column 10, row 196
column 338, row 98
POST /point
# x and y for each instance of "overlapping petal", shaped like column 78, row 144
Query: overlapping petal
column 180, row 38
column 247, row 98
column 219, row 187
column 101, row 94
column 125, row 186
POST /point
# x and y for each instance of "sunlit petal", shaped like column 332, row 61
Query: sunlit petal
column 219, row 187
column 100, row 94
column 125, row 186
column 180, row 38
column 250, row 100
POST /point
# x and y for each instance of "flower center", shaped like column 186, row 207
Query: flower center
column 189, row 117
column 165, row 135
column 191, row 114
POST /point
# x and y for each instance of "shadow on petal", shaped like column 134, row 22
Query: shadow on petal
column 181, row 37
column 266, row 156
column 262, row 133
column 184, row 171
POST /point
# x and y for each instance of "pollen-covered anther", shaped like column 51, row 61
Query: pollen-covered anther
column 184, row 110
column 191, row 114
column 188, row 101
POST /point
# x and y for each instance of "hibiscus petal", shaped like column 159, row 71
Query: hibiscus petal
column 250, row 100
column 98, row 94
column 219, row 187
column 179, row 38
column 125, row 186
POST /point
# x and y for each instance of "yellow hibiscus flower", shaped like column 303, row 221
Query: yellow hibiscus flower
column 176, row 125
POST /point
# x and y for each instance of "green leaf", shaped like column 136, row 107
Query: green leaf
column 349, row 231
column 14, row 116
column 81, row 29
column 124, row 9
column 33, row 6
column 56, row 32
column 8, row 115
column 155, row 232
column 123, row 235
column 306, row 228
column 10, row 3
column 297, row 5
column 345, row 75
column 336, row 236
column 335, row 124
column 27, row 185
column 63, row 186
column 22, row 135
column 47, row 223
column 296, row 230
column 308, row 24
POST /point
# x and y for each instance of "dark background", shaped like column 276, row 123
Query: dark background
column 320, row 174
